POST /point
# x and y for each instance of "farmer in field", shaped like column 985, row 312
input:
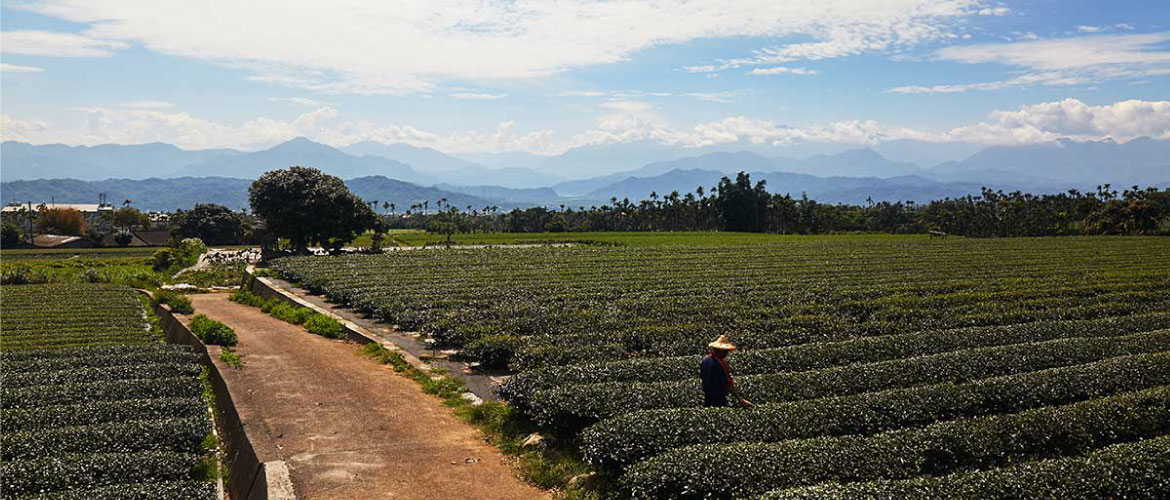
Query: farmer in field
column 716, row 375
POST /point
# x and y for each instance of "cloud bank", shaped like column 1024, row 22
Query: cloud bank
column 409, row 46
column 622, row 121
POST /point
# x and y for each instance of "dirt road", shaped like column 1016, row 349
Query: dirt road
column 349, row 427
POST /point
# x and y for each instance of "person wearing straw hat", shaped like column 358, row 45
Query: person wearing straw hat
column 716, row 374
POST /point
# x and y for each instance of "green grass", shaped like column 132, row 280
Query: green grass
column 414, row 238
column 67, row 253
column 231, row 358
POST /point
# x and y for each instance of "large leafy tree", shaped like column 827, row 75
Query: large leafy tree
column 61, row 221
column 214, row 224
column 741, row 206
column 308, row 207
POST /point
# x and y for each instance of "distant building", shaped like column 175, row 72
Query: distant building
column 93, row 212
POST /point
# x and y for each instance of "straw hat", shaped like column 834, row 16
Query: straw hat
column 722, row 343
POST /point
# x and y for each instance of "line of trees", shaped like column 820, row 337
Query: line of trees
column 740, row 205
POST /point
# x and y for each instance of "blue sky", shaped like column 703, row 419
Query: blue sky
column 541, row 77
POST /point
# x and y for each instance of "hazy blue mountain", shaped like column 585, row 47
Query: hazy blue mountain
column 728, row 163
column 639, row 188
column 583, row 187
column 453, row 170
column 405, row 194
column 511, row 159
column 850, row 163
column 511, row 177
column 303, row 152
column 1140, row 161
column 146, row 194
column 185, row 192
column 855, row 190
column 22, row 161
column 925, row 153
column 529, row 195
column 597, row 160
column 422, row 159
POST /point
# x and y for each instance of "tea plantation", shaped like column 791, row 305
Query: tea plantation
column 881, row 367
column 93, row 405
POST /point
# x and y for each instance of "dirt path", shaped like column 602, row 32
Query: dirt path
column 349, row 427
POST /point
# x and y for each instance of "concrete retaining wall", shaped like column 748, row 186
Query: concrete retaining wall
column 248, row 478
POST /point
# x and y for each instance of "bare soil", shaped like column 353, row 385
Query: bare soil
column 347, row 426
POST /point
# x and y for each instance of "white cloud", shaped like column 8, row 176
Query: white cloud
column 721, row 97
column 302, row 101
column 624, row 94
column 995, row 11
column 705, row 68
column 12, row 68
column 1071, row 118
column 1090, row 29
column 477, row 96
column 148, row 104
column 15, row 129
column 1063, row 61
column 621, row 121
column 49, row 43
column 408, row 46
column 781, row 70
column 582, row 93
column 1068, row 118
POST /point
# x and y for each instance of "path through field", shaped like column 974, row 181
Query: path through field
column 349, row 427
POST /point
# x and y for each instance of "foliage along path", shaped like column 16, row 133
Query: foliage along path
column 347, row 426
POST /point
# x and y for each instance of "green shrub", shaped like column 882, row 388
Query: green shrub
column 581, row 404
column 520, row 388
column 324, row 326
column 158, row 490
column 290, row 313
column 122, row 437
column 635, row 436
column 1128, row 470
column 186, row 252
column 211, row 331
column 86, row 469
column 247, row 298
column 45, row 395
column 160, row 260
column 493, row 351
column 96, row 374
column 16, row 275
column 745, row 469
column 100, row 412
column 178, row 302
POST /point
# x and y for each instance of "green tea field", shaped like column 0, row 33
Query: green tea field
column 93, row 405
column 879, row 366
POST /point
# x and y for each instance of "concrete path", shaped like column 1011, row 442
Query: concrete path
column 349, row 427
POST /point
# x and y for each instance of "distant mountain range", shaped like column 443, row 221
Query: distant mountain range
column 185, row 192
column 162, row 176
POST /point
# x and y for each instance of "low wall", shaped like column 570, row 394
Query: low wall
column 248, row 477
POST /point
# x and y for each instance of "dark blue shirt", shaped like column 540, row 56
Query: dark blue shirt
column 714, row 377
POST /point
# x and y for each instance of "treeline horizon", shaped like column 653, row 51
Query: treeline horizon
column 740, row 205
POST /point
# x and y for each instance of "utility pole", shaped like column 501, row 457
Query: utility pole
column 29, row 218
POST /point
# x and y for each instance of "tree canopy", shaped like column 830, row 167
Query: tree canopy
column 309, row 207
column 214, row 224
column 68, row 221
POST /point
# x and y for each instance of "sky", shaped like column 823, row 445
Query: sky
column 542, row 76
